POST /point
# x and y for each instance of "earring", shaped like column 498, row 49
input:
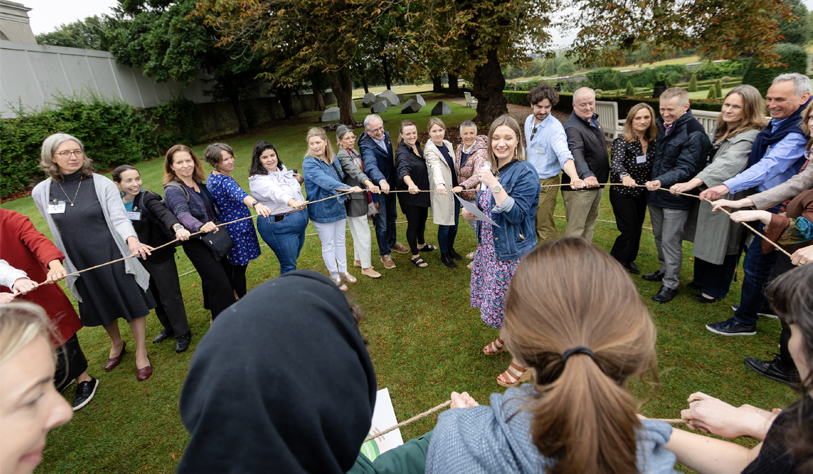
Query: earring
column 122, row 193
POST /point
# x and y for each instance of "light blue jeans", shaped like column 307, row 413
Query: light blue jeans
column 285, row 237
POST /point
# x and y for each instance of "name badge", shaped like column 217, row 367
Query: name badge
column 541, row 150
column 640, row 159
column 58, row 208
column 134, row 215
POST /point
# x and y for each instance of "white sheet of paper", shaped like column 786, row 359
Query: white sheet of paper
column 472, row 208
column 383, row 418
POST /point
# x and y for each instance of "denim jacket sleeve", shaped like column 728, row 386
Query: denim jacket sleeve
column 320, row 177
column 524, row 189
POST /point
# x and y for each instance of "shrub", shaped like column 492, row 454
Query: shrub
column 712, row 93
column 179, row 120
column 792, row 55
column 718, row 88
column 692, row 84
column 566, row 69
column 712, row 70
column 112, row 131
column 630, row 90
column 605, row 78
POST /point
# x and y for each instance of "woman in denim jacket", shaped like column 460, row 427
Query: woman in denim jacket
column 510, row 198
column 323, row 179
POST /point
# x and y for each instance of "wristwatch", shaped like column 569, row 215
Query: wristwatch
column 254, row 204
column 622, row 175
column 177, row 227
column 496, row 189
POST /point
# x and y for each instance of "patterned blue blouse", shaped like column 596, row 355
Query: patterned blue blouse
column 229, row 196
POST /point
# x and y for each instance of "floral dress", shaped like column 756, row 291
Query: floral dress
column 490, row 277
column 229, row 196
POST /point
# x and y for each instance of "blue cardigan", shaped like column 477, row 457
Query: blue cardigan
column 516, row 218
column 321, row 181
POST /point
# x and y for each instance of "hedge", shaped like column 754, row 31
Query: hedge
column 565, row 103
column 112, row 131
column 760, row 77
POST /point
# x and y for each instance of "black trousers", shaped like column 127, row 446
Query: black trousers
column 215, row 277
column 238, row 279
column 70, row 363
column 166, row 290
column 783, row 264
column 630, row 213
column 416, row 226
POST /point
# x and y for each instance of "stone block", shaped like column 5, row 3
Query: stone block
column 441, row 108
column 368, row 100
column 400, row 97
column 420, row 100
column 353, row 102
column 410, row 107
column 379, row 107
column 331, row 114
column 390, row 96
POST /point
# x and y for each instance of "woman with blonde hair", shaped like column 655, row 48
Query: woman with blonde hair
column 509, row 196
column 717, row 239
column 562, row 320
column 89, row 225
column 323, row 179
column 632, row 165
column 440, row 160
column 30, row 406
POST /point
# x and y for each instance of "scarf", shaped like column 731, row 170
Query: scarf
column 769, row 136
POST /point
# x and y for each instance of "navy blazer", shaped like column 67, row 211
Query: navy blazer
column 378, row 164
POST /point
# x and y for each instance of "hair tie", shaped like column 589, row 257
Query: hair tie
column 576, row 350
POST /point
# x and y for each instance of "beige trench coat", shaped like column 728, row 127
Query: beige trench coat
column 439, row 172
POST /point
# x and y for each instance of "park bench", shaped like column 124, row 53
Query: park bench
column 608, row 119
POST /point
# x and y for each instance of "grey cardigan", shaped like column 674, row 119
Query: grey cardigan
column 716, row 235
column 357, row 205
column 787, row 190
column 117, row 221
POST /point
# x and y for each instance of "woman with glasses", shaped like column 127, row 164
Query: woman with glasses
column 90, row 226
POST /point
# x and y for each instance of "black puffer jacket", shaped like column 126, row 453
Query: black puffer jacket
column 679, row 156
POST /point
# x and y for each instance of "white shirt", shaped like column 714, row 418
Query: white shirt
column 275, row 189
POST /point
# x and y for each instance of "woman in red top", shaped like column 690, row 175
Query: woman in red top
column 29, row 254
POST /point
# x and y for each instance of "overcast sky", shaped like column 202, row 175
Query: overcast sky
column 47, row 15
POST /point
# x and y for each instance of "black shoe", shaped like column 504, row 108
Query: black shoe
column 694, row 286
column 163, row 335
column 735, row 307
column 665, row 295
column 633, row 268
column 775, row 370
column 446, row 259
column 84, row 393
column 183, row 341
column 702, row 299
column 730, row 327
column 657, row 276
column 455, row 255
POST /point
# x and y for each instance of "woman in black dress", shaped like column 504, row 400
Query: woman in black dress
column 632, row 155
column 413, row 176
column 90, row 226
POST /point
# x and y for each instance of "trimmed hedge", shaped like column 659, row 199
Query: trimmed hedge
column 112, row 131
column 624, row 103
column 760, row 77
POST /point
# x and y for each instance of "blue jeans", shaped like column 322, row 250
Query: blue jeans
column 757, row 267
column 385, row 223
column 447, row 233
column 285, row 237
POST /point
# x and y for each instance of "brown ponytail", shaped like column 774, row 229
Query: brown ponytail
column 569, row 293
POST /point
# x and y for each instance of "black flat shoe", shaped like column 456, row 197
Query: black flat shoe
column 657, row 276
column 455, row 255
column 703, row 299
column 665, row 295
column 163, row 335
column 633, row 268
column 183, row 341
column 446, row 259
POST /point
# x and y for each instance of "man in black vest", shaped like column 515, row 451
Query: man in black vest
column 585, row 139
column 681, row 149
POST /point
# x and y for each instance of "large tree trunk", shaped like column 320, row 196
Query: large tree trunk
column 287, row 103
column 342, row 84
column 386, row 69
column 488, row 86
column 437, row 84
column 238, row 112
column 319, row 99
column 453, row 88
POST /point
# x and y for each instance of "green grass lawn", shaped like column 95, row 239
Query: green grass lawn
column 425, row 339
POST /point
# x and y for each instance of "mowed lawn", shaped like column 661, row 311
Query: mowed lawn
column 425, row 339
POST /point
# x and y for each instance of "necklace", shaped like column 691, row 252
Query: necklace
column 74, row 195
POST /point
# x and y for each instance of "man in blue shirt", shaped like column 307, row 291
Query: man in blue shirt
column 777, row 155
column 546, row 146
column 376, row 153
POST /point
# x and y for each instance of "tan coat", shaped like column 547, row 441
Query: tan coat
column 439, row 172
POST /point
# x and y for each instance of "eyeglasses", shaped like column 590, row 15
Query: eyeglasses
column 534, row 133
column 67, row 154
column 379, row 129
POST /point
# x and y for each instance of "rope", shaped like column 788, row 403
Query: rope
column 414, row 418
column 775, row 245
